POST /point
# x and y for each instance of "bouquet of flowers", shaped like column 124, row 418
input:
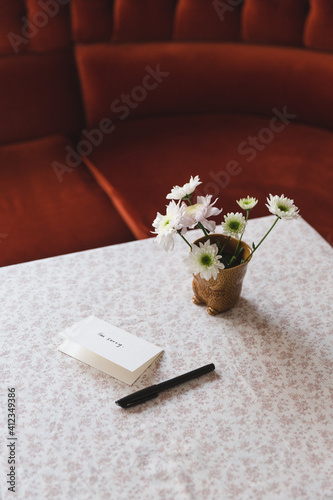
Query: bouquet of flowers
column 208, row 258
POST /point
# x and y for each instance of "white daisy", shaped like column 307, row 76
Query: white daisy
column 178, row 193
column 247, row 203
column 204, row 260
column 234, row 224
column 166, row 226
column 282, row 207
column 200, row 213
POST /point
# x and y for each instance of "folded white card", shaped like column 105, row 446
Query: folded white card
column 109, row 349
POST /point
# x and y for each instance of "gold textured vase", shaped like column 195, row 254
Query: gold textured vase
column 223, row 293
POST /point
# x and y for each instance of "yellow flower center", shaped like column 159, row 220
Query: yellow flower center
column 192, row 209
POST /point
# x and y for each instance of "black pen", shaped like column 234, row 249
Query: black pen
column 152, row 391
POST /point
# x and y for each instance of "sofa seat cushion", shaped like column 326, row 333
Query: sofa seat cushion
column 235, row 155
column 40, row 216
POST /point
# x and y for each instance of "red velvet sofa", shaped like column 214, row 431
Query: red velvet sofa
column 106, row 105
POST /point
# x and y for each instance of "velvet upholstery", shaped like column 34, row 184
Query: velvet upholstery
column 34, row 25
column 11, row 15
column 134, row 21
column 83, row 12
column 318, row 32
column 41, row 216
column 293, row 159
column 205, row 77
column 150, row 92
column 274, row 22
column 279, row 22
column 154, row 20
column 27, row 82
column 52, row 20
column 194, row 21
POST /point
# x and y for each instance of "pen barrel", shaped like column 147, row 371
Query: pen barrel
column 185, row 377
column 152, row 391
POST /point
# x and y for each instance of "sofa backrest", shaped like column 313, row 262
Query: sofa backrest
column 216, row 55
column 34, row 25
column 39, row 88
column 152, row 20
column 281, row 22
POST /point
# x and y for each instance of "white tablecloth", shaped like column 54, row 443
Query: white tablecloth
column 259, row 427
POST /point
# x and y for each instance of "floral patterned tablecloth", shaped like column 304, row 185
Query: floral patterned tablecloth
column 259, row 427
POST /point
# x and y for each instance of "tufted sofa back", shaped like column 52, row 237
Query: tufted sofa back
column 281, row 22
column 44, row 25
column 258, row 57
column 34, row 25
column 116, row 40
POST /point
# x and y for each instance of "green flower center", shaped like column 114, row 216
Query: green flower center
column 206, row 260
column 283, row 208
column 234, row 225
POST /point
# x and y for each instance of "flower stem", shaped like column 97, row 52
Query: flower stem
column 189, row 244
column 262, row 239
column 204, row 230
column 225, row 244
